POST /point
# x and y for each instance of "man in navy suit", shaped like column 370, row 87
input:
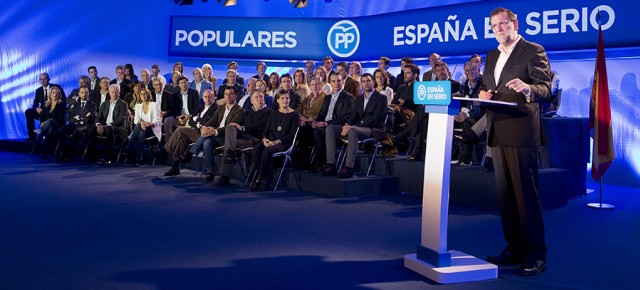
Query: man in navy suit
column 517, row 71
column 366, row 121
column 42, row 94
column 81, row 117
column 336, row 110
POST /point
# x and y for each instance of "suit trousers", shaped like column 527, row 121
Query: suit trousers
column 180, row 140
column 516, row 172
column 355, row 134
column 234, row 140
column 169, row 125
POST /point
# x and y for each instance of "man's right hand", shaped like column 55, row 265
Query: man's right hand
column 39, row 110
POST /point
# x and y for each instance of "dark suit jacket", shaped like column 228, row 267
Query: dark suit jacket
column 39, row 99
column 96, row 96
column 81, row 112
column 120, row 113
column 166, row 99
column 517, row 126
column 236, row 87
column 373, row 115
column 392, row 80
column 96, row 87
column 235, row 116
column 352, row 86
column 341, row 111
column 57, row 114
column 193, row 102
column 295, row 101
column 428, row 76
column 205, row 118
column 125, row 86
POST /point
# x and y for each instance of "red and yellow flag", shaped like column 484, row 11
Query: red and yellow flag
column 600, row 116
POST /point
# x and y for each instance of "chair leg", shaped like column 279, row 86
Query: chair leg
column 287, row 159
column 249, row 175
column 373, row 157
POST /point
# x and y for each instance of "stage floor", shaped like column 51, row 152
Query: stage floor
column 81, row 226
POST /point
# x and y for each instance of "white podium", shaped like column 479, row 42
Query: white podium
column 433, row 259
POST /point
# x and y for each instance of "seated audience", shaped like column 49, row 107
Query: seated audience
column 147, row 122
column 51, row 119
column 366, row 121
column 238, row 137
column 40, row 98
column 185, row 135
column 81, row 116
column 278, row 136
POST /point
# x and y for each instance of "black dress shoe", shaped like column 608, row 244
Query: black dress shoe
column 505, row 258
column 345, row 172
column 209, row 177
column 222, row 181
column 255, row 185
column 172, row 172
column 329, row 170
column 532, row 268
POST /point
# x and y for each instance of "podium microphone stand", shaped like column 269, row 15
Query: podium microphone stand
column 432, row 258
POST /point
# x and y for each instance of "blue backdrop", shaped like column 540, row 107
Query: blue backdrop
column 63, row 38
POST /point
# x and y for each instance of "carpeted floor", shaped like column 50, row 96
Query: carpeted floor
column 79, row 226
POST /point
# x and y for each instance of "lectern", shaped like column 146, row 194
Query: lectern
column 433, row 259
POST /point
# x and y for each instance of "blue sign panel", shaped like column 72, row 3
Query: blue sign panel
column 432, row 93
column 462, row 29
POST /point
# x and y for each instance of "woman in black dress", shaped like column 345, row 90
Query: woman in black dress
column 277, row 137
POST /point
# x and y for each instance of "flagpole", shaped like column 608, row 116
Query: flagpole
column 600, row 205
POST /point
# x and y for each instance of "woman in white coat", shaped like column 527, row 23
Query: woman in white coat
column 147, row 122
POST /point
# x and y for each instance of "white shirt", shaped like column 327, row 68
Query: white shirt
column 332, row 105
column 103, row 98
column 198, row 87
column 159, row 99
column 112, row 105
column 204, row 111
column 224, row 117
column 389, row 93
column 366, row 99
column 505, row 52
column 185, row 104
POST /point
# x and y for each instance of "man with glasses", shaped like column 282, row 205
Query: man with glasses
column 41, row 97
column 517, row 71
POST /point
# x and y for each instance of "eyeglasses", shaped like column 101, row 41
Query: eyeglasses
column 501, row 24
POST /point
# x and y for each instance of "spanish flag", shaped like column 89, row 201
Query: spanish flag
column 600, row 116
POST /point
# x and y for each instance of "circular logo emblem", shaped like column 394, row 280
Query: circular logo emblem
column 343, row 38
column 422, row 92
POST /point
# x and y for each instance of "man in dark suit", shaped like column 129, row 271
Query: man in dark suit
column 162, row 97
column 231, row 78
column 430, row 74
column 336, row 110
column 94, row 79
column 366, row 121
column 177, row 145
column 182, row 105
column 383, row 64
column 100, row 95
column 518, row 71
column 121, row 81
column 111, row 122
column 212, row 132
column 400, row 77
column 350, row 85
column 81, row 117
column 238, row 136
column 41, row 96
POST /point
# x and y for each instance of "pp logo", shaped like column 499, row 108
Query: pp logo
column 422, row 92
column 343, row 38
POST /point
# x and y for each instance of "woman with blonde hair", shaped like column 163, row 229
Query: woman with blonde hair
column 147, row 122
column 51, row 119
column 207, row 74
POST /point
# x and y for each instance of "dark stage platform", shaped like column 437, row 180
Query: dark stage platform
column 80, row 226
